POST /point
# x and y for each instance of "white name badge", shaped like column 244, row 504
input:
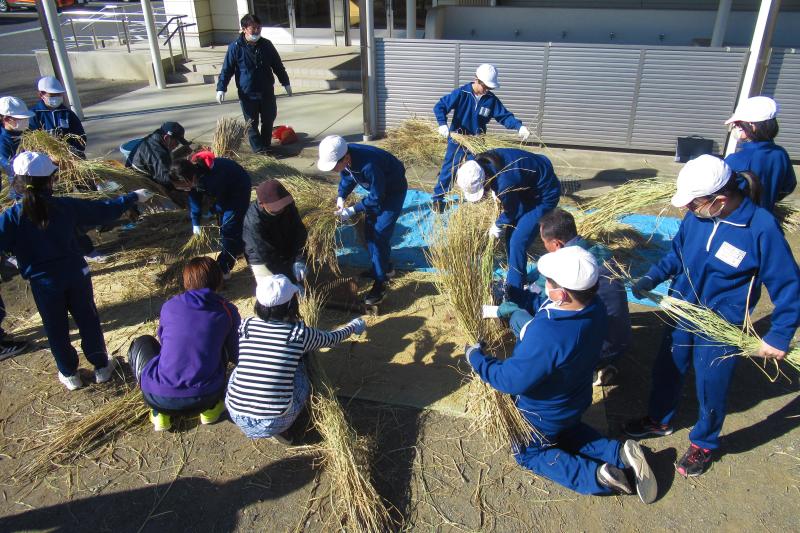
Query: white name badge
column 730, row 255
column 63, row 123
column 484, row 111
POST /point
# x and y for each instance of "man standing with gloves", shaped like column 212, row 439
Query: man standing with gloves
column 251, row 59
column 473, row 105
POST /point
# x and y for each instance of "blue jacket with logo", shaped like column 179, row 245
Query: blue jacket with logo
column 9, row 142
column 379, row 172
column 472, row 113
column 712, row 262
column 771, row 164
column 58, row 121
column 252, row 65
column 228, row 183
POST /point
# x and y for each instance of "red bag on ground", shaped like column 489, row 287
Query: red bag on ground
column 284, row 135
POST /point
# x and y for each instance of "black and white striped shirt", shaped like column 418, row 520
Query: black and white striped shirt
column 262, row 383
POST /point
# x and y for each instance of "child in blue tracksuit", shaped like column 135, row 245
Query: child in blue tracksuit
column 550, row 373
column 40, row 232
column 725, row 249
column 755, row 121
column 15, row 120
column 384, row 177
column 51, row 115
column 527, row 187
column 229, row 184
column 473, row 105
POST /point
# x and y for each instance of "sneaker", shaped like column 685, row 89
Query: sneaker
column 284, row 438
column 226, row 275
column 438, row 207
column 101, row 375
column 613, row 478
column 370, row 274
column 73, row 382
column 10, row 348
column 209, row 416
column 376, row 294
column 694, row 462
column 632, row 456
column 161, row 422
column 604, row 376
column 646, row 427
column 96, row 257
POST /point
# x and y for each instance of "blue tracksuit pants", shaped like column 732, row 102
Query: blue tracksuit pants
column 571, row 458
column 518, row 240
column 54, row 302
column 453, row 157
column 378, row 230
column 713, row 374
column 231, row 236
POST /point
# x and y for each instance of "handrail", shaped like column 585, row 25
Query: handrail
column 167, row 23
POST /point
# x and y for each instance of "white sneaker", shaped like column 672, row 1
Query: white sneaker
column 73, row 382
column 96, row 257
column 101, row 375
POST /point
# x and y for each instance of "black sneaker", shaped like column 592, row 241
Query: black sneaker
column 376, row 293
column 694, row 462
column 10, row 348
column 438, row 206
column 370, row 274
column 646, row 427
column 613, row 478
column 604, row 376
column 633, row 457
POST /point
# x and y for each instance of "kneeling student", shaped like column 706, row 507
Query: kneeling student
column 550, row 373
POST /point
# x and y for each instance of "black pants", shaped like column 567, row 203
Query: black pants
column 261, row 110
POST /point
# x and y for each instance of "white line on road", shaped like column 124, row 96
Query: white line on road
column 17, row 55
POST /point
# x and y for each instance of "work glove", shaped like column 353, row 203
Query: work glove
column 197, row 230
column 641, row 286
column 346, row 213
column 495, row 231
column 524, row 133
column 220, row 96
column 468, row 349
column 507, row 309
column 340, row 203
column 288, row 89
column 359, row 326
column 299, row 270
column 444, row 131
column 142, row 195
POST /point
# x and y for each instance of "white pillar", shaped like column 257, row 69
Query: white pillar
column 152, row 39
column 721, row 22
column 368, row 46
column 53, row 23
column 754, row 73
column 411, row 19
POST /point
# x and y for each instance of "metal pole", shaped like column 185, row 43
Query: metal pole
column 127, row 35
column 184, row 49
column 152, row 39
column 369, row 22
column 74, row 34
column 362, row 31
column 61, row 56
column 721, row 22
column 757, row 61
column 411, row 19
column 171, row 57
column 94, row 37
column 48, row 39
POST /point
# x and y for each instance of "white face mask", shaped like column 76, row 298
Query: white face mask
column 704, row 212
column 252, row 38
column 21, row 124
column 53, row 101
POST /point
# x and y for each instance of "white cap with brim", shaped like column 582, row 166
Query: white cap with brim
column 700, row 177
column 11, row 106
column 488, row 75
column 275, row 290
column 331, row 150
column 755, row 109
column 571, row 267
column 49, row 84
column 470, row 178
column 33, row 164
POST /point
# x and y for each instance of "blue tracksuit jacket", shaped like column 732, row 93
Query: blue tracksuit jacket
column 228, row 183
column 252, row 66
column 771, row 164
column 379, row 172
column 58, row 121
column 472, row 113
column 9, row 142
column 712, row 262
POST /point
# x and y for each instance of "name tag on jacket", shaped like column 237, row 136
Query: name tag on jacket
column 484, row 111
column 730, row 255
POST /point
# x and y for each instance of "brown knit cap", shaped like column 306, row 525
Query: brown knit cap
column 273, row 196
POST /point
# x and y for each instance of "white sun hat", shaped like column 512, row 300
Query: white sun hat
column 488, row 75
column 571, row 267
column 33, row 164
column 755, row 109
column 331, row 150
column 49, row 84
column 470, row 177
column 700, row 177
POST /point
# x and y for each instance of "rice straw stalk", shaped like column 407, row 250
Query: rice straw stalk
column 228, row 136
column 72, row 173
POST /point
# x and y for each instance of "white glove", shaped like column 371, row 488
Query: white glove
column 444, row 131
column 340, row 203
column 142, row 195
column 346, row 213
column 288, row 89
column 220, row 96
column 495, row 231
column 358, row 325
column 299, row 270
column 197, row 230
column 524, row 133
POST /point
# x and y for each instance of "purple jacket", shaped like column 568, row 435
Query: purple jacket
column 198, row 331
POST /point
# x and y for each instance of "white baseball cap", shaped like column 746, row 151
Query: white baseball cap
column 700, row 177
column 571, row 267
column 755, row 109
column 49, row 84
column 275, row 290
column 488, row 75
column 11, row 106
column 33, row 164
column 470, row 178
column 331, row 150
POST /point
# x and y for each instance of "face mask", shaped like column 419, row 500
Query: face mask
column 700, row 214
column 53, row 101
column 252, row 38
column 21, row 124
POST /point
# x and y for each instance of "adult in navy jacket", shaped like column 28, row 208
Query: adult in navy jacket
column 550, row 374
column 384, row 178
column 473, row 105
column 725, row 249
column 756, row 125
column 251, row 60
column 51, row 115
column 40, row 232
column 229, row 185
column 527, row 188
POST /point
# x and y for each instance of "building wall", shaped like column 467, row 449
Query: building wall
column 217, row 20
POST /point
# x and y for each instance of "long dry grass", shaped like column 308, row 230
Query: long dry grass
column 228, row 136
column 788, row 215
column 73, row 174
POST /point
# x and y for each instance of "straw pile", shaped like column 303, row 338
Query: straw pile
column 788, row 215
column 72, row 173
column 201, row 243
column 228, row 135
column 263, row 167
column 477, row 144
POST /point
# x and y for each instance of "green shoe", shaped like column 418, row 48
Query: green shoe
column 161, row 422
column 212, row 415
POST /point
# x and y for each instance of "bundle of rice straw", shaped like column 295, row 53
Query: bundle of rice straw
column 788, row 215
column 345, row 456
column 265, row 166
column 416, row 143
column 463, row 255
column 228, row 135
column 70, row 440
column 199, row 244
column 477, row 144
column 72, row 173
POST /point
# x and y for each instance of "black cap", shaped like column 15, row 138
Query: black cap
column 176, row 131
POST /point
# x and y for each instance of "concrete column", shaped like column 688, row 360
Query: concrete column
column 368, row 82
column 721, row 22
column 152, row 39
column 411, row 19
column 757, row 62
column 53, row 24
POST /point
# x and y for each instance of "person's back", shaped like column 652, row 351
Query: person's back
column 273, row 240
column 228, row 182
column 391, row 168
column 771, row 164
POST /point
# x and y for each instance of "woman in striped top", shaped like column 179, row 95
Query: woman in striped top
column 269, row 387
